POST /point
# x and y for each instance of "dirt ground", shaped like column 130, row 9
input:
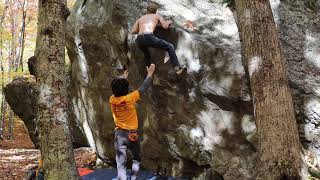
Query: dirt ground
column 18, row 155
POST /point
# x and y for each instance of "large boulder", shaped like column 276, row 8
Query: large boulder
column 200, row 124
column 299, row 29
column 21, row 95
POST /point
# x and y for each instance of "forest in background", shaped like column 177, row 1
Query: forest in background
column 18, row 33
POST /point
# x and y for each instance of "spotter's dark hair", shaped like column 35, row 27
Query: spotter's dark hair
column 120, row 87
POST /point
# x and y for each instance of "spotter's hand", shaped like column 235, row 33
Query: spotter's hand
column 125, row 74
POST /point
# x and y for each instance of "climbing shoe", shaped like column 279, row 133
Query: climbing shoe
column 181, row 70
column 166, row 58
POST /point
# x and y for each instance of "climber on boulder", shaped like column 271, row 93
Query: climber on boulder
column 145, row 27
column 126, row 121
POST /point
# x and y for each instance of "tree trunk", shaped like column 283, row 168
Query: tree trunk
column 3, row 101
column 3, row 114
column 279, row 146
column 23, row 31
column 19, row 59
column 11, row 125
column 13, row 44
column 52, row 116
column 12, row 55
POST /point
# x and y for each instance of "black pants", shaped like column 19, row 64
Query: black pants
column 122, row 144
column 149, row 40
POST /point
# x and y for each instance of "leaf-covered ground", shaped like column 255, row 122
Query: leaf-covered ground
column 18, row 155
column 20, row 140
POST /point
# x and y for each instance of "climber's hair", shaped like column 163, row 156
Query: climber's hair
column 152, row 8
column 120, row 87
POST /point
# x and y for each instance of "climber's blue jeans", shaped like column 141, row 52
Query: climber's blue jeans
column 149, row 40
column 122, row 144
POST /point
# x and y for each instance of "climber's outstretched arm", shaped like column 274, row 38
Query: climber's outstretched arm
column 135, row 28
column 147, row 82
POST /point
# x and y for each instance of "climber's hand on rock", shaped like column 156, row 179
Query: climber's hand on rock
column 151, row 69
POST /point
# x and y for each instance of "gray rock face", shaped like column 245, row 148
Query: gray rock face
column 198, row 125
column 299, row 26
